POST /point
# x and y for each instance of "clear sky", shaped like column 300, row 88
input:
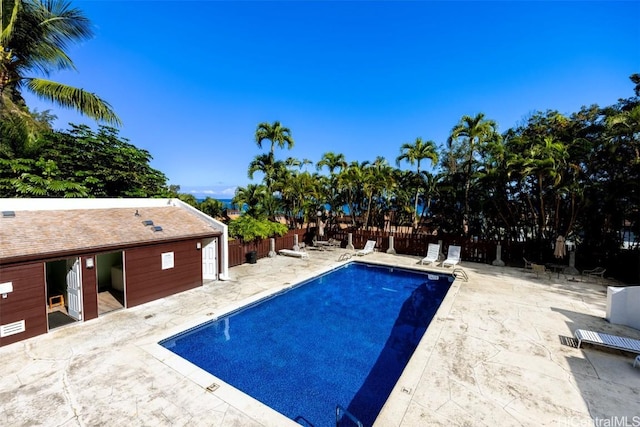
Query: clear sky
column 192, row 79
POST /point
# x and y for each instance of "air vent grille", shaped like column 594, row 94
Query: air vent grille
column 12, row 328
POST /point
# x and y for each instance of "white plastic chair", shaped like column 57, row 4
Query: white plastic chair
column 368, row 248
column 453, row 256
column 433, row 253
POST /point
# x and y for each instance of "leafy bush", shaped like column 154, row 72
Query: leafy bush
column 248, row 228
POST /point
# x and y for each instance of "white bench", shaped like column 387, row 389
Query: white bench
column 606, row 340
column 297, row 254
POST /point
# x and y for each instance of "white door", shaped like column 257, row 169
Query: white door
column 74, row 302
column 210, row 259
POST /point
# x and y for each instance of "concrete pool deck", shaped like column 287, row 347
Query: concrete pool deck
column 500, row 351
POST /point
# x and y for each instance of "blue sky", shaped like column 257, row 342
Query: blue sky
column 192, row 79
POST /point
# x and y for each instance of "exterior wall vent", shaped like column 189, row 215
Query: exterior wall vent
column 8, row 214
column 12, row 328
column 147, row 222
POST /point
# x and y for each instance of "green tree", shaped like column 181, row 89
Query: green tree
column 470, row 133
column 350, row 182
column 248, row 228
column 34, row 38
column 254, row 197
column 212, row 207
column 416, row 153
column 330, row 190
column 81, row 163
column 276, row 134
column 332, row 161
column 378, row 181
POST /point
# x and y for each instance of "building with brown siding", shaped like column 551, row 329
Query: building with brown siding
column 69, row 260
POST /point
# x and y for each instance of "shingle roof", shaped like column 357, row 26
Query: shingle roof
column 33, row 232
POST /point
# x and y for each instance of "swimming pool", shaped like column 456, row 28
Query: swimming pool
column 342, row 338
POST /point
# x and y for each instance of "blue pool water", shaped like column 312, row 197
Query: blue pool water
column 342, row 338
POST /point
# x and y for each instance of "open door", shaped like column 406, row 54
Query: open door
column 74, row 299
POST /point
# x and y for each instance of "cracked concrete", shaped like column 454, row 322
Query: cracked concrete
column 496, row 353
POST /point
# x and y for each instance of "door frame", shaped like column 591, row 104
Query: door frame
column 210, row 267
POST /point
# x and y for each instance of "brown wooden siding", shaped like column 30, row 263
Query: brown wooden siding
column 147, row 281
column 89, row 290
column 27, row 301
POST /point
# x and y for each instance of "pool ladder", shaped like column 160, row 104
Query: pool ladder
column 458, row 272
column 345, row 257
column 340, row 409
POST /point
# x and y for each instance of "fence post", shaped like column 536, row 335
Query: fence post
column 572, row 263
column 391, row 249
column 296, row 246
column 272, row 247
column 350, row 241
column 498, row 261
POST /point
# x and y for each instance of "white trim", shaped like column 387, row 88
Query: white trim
column 224, row 243
column 40, row 204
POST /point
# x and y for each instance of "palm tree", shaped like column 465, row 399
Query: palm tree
column 349, row 181
column 276, row 133
column 378, row 180
column 34, row 35
column 472, row 132
column 262, row 163
column 547, row 162
column 415, row 153
column 254, row 196
column 332, row 161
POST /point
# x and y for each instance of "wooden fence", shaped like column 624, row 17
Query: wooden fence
column 404, row 243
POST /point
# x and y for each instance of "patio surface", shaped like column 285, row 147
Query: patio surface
column 499, row 352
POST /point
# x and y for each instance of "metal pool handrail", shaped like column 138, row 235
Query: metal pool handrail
column 348, row 414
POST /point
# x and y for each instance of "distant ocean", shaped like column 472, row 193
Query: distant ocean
column 227, row 202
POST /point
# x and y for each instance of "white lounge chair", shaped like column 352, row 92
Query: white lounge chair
column 368, row 248
column 290, row 252
column 433, row 253
column 606, row 340
column 453, row 256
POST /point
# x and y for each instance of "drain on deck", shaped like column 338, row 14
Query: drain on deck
column 213, row 387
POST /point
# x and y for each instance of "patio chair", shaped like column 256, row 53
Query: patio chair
column 453, row 256
column 368, row 248
column 540, row 269
column 597, row 272
column 433, row 253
